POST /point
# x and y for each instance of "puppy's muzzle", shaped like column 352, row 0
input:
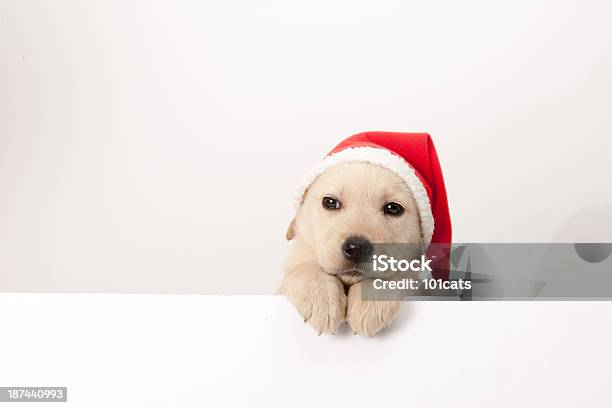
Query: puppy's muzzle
column 357, row 249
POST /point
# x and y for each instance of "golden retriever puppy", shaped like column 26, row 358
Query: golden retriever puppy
column 347, row 209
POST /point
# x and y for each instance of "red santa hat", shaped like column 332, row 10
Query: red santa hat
column 413, row 157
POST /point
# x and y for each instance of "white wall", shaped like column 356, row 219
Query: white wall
column 143, row 144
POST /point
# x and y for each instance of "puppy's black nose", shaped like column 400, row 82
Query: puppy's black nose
column 357, row 249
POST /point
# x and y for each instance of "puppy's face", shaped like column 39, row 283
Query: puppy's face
column 349, row 207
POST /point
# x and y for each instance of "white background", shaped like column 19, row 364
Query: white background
column 145, row 143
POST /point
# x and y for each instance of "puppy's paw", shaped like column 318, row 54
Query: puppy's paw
column 369, row 317
column 321, row 302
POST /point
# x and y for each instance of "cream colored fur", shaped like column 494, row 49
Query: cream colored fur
column 316, row 274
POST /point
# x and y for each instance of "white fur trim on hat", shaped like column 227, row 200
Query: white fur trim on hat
column 383, row 158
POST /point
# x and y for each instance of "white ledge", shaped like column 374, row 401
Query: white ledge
column 172, row 350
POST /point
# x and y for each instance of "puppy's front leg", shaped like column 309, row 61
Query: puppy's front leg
column 368, row 317
column 317, row 295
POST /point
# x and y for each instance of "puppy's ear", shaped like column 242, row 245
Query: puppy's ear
column 292, row 227
column 291, row 230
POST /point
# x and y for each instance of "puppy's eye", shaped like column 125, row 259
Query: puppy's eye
column 393, row 209
column 330, row 203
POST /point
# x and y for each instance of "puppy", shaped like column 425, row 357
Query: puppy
column 345, row 210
